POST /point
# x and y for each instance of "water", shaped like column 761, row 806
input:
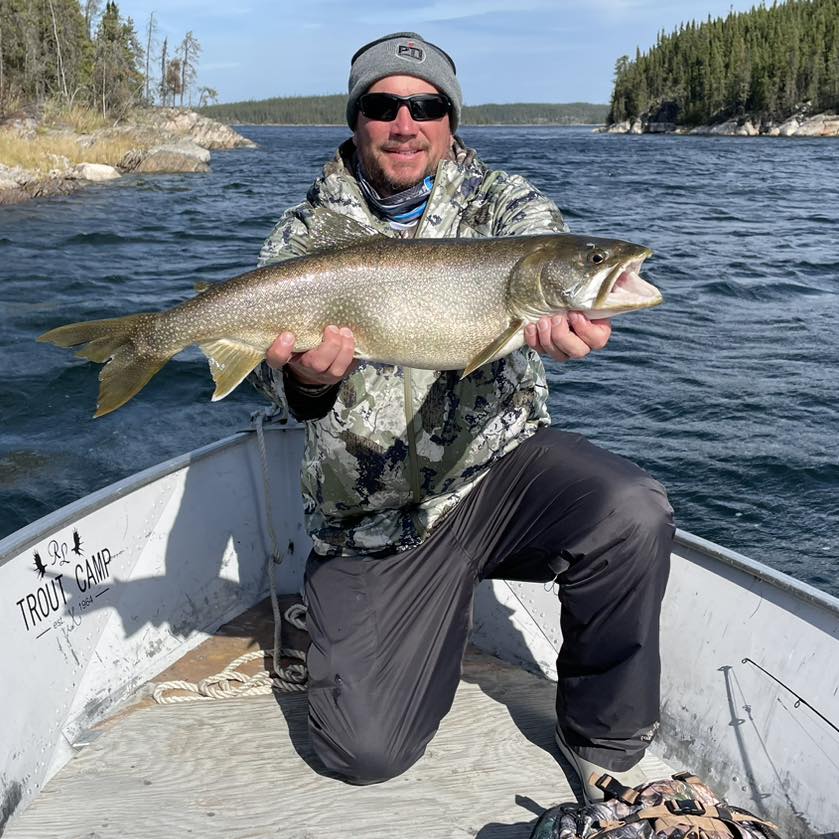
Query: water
column 728, row 393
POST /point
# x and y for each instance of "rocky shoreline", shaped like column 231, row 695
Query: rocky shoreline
column 160, row 140
column 798, row 125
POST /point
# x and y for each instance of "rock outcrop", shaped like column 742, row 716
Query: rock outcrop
column 729, row 128
column 184, row 156
column 799, row 125
column 17, row 184
column 168, row 140
column 94, row 172
column 821, row 125
column 11, row 185
column 202, row 130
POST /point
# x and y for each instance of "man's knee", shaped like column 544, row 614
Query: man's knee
column 642, row 521
column 363, row 759
column 630, row 517
column 643, row 503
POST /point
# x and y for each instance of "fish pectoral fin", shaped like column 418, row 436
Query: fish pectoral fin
column 230, row 361
column 327, row 229
column 488, row 353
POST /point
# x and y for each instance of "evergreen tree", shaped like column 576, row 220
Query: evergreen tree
column 117, row 80
column 44, row 50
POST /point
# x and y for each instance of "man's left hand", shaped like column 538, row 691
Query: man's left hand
column 567, row 336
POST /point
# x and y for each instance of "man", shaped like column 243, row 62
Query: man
column 417, row 484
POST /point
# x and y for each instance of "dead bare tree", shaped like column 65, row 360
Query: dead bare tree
column 190, row 50
column 62, row 77
column 151, row 28
column 207, row 96
column 163, row 57
column 91, row 10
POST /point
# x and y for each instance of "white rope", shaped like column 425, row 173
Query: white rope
column 230, row 682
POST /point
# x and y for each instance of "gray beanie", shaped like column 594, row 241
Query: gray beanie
column 402, row 54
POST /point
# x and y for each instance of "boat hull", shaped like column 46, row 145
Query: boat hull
column 102, row 595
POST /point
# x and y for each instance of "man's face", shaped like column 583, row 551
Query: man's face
column 396, row 155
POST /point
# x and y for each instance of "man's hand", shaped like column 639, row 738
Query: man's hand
column 567, row 336
column 327, row 364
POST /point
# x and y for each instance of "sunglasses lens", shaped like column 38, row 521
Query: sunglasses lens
column 385, row 106
column 379, row 106
column 428, row 107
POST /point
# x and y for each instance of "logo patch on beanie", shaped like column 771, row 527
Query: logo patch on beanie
column 410, row 52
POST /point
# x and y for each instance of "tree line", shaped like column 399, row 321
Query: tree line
column 331, row 110
column 79, row 53
column 766, row 63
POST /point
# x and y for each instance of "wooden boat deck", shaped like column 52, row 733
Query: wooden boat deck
column 244, row 768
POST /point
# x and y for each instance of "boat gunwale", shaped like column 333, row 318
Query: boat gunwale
column 778, row 579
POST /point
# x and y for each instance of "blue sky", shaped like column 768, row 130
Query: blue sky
column 505, row 50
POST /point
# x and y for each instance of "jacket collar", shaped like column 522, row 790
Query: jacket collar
column 456, row 180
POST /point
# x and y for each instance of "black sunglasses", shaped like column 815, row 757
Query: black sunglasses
column 423, row 107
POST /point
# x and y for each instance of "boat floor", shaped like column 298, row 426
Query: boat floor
column 244, row 768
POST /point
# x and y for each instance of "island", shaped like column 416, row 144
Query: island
column 772, row 71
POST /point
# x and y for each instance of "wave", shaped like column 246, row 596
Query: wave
column 103, row 238
column 766, row 292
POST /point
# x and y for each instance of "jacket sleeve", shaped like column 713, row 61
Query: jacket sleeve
column 304, row 402
column 521, row 210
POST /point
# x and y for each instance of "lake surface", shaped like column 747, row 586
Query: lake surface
column 729, row 393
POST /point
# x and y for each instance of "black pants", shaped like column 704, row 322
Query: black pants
column 388, row 633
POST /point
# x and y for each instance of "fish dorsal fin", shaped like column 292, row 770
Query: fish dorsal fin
column 326, row 230
column 230, row 361
column 494, row 349
column 202, row 285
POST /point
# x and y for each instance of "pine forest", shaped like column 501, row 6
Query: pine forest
column 768, row 63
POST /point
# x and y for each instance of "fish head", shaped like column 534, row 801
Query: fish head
column 596, row 276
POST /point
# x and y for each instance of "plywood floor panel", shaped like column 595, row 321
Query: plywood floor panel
column 240, row 768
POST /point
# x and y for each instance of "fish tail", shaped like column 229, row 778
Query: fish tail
column 129, row 364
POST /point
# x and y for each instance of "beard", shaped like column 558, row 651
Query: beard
column 386, row 184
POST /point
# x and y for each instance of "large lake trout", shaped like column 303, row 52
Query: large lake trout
column 438, row 304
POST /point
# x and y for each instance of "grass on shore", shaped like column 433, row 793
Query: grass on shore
column 56, row 146
column 49, row 151
column 78, row 118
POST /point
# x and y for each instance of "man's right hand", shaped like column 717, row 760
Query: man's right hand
column 327, row 364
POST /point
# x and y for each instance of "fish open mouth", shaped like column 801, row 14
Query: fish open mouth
column 624, row 290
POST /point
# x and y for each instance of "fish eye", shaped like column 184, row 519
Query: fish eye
column 597, row 257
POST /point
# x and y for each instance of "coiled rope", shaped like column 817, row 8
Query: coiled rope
column 231, row 683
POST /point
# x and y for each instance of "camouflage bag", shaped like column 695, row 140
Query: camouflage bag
column 681, row 807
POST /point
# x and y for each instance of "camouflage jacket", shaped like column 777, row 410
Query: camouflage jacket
column 400, row 447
